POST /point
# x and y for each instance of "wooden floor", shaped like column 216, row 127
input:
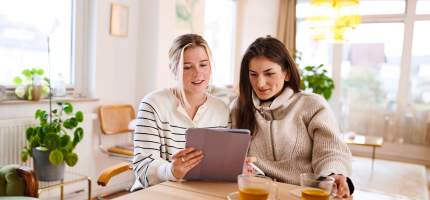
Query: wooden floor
column 390, row 180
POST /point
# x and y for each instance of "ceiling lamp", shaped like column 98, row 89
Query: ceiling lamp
column 331, row 19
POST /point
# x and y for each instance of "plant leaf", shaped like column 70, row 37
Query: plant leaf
column 24, row 155
column 51, row 140
column 80, row 133
column 47, row 80
column 69, row 123
column 71, row 159
column 34, row 142
column 26, row 73
column 79, row 116
column 64, row 140
column 56, row 157
column 17, row 80
column 68, row 108
column 29, row 133
column 309, row 68
column 39, row 72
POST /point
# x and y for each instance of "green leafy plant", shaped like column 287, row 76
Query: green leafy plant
column 315, row 78
column 54, row 132
column 30, row 78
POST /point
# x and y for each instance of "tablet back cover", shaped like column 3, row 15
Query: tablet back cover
column 224, row 153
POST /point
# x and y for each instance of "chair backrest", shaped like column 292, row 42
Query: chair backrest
column 114, row 119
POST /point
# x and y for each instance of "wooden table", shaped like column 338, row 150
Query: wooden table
column 198, row 191
column 220, row 190
column 364, row 140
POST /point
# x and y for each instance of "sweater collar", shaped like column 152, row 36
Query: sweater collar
column 267, row 108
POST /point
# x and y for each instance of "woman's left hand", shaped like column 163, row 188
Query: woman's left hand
column 340, row 188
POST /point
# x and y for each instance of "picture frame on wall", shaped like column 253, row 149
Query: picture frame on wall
column 119, row 20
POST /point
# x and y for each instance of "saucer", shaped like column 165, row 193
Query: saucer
column 233, row 196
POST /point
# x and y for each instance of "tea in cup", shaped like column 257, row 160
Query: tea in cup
column 256, row 187
column 316, row 187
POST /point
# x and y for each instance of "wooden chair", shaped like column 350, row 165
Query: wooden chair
column 114, row 120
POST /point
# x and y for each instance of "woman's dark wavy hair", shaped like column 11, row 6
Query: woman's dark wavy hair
column 275, row 51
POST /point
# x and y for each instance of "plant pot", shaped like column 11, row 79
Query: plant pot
column 36, row 92
column 45, row 170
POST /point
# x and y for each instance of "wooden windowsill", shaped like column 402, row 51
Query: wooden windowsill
column 45, row 101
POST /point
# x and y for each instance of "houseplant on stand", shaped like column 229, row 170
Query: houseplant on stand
column 51, row 143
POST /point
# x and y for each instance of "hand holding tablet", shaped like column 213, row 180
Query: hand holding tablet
column 185, row 160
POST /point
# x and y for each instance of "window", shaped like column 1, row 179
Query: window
column 25, row 26
column 381, row 7
column 423, row 6
column 219, row 32
column 381, row 70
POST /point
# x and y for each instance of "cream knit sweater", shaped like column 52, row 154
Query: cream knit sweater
column 297, row 133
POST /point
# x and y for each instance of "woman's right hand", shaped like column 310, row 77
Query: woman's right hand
column 185, row 160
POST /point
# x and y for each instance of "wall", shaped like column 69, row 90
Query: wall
column 114, row 64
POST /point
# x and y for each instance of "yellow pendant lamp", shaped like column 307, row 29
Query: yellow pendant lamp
column 332, row 18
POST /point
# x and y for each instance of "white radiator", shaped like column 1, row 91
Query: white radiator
column 12, row 140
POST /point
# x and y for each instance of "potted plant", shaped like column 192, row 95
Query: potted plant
column 315, row 79
column 51, row 143
column 32, row 85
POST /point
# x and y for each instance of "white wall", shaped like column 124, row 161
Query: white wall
column 114, row 58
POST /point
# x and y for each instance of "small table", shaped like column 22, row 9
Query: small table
column 69, row 178
column 364, row 140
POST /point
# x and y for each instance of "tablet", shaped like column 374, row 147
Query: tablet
column 224, row 153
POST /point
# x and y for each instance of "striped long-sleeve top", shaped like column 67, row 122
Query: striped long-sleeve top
column 160, row 133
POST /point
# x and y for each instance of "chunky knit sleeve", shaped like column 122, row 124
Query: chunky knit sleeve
column 330, row 154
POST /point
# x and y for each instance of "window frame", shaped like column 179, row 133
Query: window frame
column 408, row 19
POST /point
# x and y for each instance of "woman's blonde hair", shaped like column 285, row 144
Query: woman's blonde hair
column 176, row 58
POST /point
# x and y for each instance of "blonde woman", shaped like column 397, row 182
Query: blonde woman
column 165, row 115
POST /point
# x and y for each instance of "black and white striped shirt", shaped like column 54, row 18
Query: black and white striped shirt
column 160, row 133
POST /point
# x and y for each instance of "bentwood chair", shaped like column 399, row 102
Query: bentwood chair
column 114, row 120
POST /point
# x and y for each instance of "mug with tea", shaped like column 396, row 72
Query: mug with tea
column 253, row 187
column 316, row 187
